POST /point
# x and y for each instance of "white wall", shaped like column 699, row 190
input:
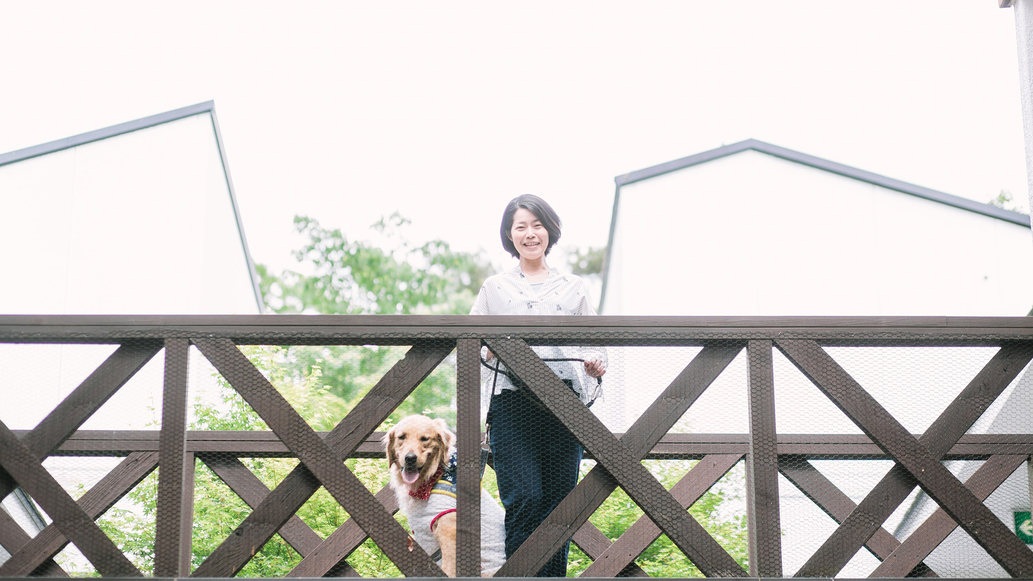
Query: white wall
column 752, row 234
column 139, row 223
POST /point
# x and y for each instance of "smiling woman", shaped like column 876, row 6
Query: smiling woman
column 536, row 458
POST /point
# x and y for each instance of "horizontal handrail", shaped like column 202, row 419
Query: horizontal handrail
column 608, row 330
column 265, row 444
column 764, row 343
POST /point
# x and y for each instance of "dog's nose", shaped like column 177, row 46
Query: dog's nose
column 410, row 459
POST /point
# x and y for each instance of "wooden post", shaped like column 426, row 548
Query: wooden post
column 468, row 479
column 762, row 510
column 172, row 469
column 186, row 528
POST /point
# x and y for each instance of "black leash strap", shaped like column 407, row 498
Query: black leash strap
column 520, row 385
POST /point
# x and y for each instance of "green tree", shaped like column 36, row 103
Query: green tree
column 357, row 278
column 344, row 276
column 588, row 261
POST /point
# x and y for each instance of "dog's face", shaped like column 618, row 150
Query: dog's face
column 417, row 447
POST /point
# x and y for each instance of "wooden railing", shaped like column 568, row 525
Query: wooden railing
column 618, row 456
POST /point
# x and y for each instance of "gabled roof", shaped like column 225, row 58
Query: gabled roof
column 130, row 126
column 808, row 160
column 829, row 166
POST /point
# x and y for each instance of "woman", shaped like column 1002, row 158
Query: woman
column 536, row 458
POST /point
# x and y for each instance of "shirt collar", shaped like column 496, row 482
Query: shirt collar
column 515, row 271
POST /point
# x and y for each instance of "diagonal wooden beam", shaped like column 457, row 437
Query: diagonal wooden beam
column 935, row 529
column 67, row 417
column 325, row 464
column 33, row 558
column 85, row 399
column 299, row 535
column 830, row 499
column 330, row 555
column 594, row 543
column 20, row 463
column 253, row 491
column 942, row 486
column 615, row 457
column 277, row 508
column 895, row 486
column 13, row 538
column 573, row 511
column 644, row 532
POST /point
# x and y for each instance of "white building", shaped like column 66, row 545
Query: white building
column 139, row 218
column 756, row 229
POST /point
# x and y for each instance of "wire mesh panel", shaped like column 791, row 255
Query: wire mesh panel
column 409, row 446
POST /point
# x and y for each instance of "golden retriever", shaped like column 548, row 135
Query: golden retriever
column 421, row 456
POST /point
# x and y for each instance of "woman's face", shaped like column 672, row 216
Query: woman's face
column 528, row 235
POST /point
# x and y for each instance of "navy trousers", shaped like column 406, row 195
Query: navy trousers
column 536, row 464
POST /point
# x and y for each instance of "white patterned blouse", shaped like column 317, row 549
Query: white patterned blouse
column 509, row 293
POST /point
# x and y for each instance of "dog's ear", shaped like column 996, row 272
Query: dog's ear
column 448, row 439
column 389, row 446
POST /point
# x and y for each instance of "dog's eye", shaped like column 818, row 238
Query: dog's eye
column 400, row 437
column 424, row 439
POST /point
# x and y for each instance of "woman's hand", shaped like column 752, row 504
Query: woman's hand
column 595, row 368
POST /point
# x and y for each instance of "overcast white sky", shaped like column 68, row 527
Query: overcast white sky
column 347, row 111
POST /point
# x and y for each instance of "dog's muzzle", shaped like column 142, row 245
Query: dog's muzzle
column 410, row 462
column 410, row 469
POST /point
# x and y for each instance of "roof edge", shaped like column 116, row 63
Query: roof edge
column 696, row 159
column 607, row 259
column 252, row 271
column 99, row 134
column 829, row 166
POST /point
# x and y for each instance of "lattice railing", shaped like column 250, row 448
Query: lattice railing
column 957, row 460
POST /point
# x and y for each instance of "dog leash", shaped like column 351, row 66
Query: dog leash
column 519, row 384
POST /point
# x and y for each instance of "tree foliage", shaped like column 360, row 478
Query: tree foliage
column 357, row 277
column 587, row 261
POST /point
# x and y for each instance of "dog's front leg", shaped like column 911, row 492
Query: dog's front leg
column 445, row 533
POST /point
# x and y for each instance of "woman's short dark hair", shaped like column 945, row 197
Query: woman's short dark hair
column 541, row 209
